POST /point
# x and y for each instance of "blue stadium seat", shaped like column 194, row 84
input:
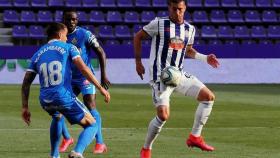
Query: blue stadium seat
column 122, row 31
column 21, row 3
column 215, row 42
column 225, row 32
column 248, row 42
column 211, row 3
column 231, row 42
column 263, row 3
column 20, row 31
column 114, row 16
column 5, row 3
column 276, row 3
column 10, row 16
column 199, row 42
column 241, row 32
column 246, row 3
column 27, row 16
column 208, row 31
column 269, row 16
column 159, row 3
column 252, row 16
column 235, row 16
column 107, row 3
column 136, row 28
column 96, row 17
column 218, row 16
column 228, row 3
column 36, row 32
column 73, row 3
column 131, row 17
column 90, row 3
column 266, row 42
column 143, row 3
column 200, row 16
column 258, row 32
column 58, row 16
column 112, row 43
column 89, row 27
column 39, row 3
column 127, row 42
column 106, row 31
column 162, row 14
column 82, row 16
column 195, row 3
column 125, row 3
column 147, row 16
column 273, row 31
column 44, row 16
column 56, row 3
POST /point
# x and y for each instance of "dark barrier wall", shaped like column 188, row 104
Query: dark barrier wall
column 124, row 51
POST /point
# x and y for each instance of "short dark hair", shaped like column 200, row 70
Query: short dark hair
column 68, row 10
column 175, row 1
column 53, row 30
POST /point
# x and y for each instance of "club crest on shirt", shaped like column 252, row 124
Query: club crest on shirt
column 74, row 41
column 176, row 43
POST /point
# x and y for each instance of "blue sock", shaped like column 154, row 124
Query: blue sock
column 65, row 132
column 86, row 137
column 98, row 136
column 55, row 133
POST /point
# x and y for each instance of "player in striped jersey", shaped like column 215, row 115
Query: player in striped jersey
column 172, row 39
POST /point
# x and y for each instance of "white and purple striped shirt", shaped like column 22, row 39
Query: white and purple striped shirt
column 169, row 42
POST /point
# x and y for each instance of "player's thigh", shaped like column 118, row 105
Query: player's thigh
column 161, row 93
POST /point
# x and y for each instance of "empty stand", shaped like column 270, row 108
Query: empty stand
column 114, row 16
column 97, row 17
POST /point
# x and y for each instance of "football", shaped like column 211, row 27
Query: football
column 171, row 76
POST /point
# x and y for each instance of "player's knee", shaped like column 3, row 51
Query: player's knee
column 87, row 120
column 163, row 115
column 210, row 97
column 206, row 95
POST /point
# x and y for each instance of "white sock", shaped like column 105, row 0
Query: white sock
column 153, row 131
column 201, row 116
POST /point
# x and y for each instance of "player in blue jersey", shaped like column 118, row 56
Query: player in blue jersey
column 53, row 64
column 84, row 40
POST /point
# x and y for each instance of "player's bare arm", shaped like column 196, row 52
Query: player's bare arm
column 88, row 74
column 211, row 59
column 140, row 35
column 25, row 90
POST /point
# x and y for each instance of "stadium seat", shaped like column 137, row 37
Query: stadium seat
column 56, row 3
column 159, row 3
column 162, row 14
column 273, row 31
column 39, row 3
column 58, row 16
column 199, row 42
column 143, row 3
column 208, row 32
column 122, row 31
column 218, row 16
column 228, row 3
column 90, row 3
column 131, row 17
column 266, row 42
column 21, row 3
column 200, row 16
column 276, row 3
column 36, row 32
column 263, row 3
column 44, row 16
column 225, row 32
column 20, row 31
column 112, row 43
column 96, row 17
column 248, row 42
column 27, row 16
column 269, row 16
column 211, row 3
column 136, row 28
column 73, row 3
column 235, row 16
column 252, row 16
column 241, row 32
column 147, row 16
column 114, row 16
column 125, row 3
column 106, row 31
column 231, row 42
column 82, row 16
column 107, row 3
column 195, row 3
column 10, row 16
column 258, row 32
column 215, row 42
column 246, row 3
column 89, row 27
column 127, row 42
column 5, row 3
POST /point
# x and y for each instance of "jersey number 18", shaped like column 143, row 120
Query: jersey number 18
column 51, row 73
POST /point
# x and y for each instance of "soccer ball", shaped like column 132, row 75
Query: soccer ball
column 171, row 76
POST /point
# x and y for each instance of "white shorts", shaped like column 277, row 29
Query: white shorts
column 188, row 86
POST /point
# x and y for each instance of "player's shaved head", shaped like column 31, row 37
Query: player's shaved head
column 176, row 9
column 70, row 19
column 54, row 30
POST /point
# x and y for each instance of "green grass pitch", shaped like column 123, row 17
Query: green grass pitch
column 244, row 123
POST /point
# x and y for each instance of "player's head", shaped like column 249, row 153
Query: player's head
column 57, row 31
column 176, row 9
column 70, row 19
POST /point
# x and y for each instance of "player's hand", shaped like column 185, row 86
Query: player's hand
column 105, row 83
column 212, row 60
column 26, row 115
column 140, row 69
column 106, row 94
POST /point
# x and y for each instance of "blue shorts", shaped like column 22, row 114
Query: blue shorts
column 84, row 86
column 74, row 112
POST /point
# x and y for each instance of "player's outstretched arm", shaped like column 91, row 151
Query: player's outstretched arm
column 25, row 90
column 89, row 76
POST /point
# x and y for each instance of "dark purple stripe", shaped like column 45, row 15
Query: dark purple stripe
column 166, row 43
column 175, row 52
column 155, row 61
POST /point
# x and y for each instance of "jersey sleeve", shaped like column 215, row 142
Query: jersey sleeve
column 152, row 28
column 191, row 35
column 74, row 52
column 91, row 39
